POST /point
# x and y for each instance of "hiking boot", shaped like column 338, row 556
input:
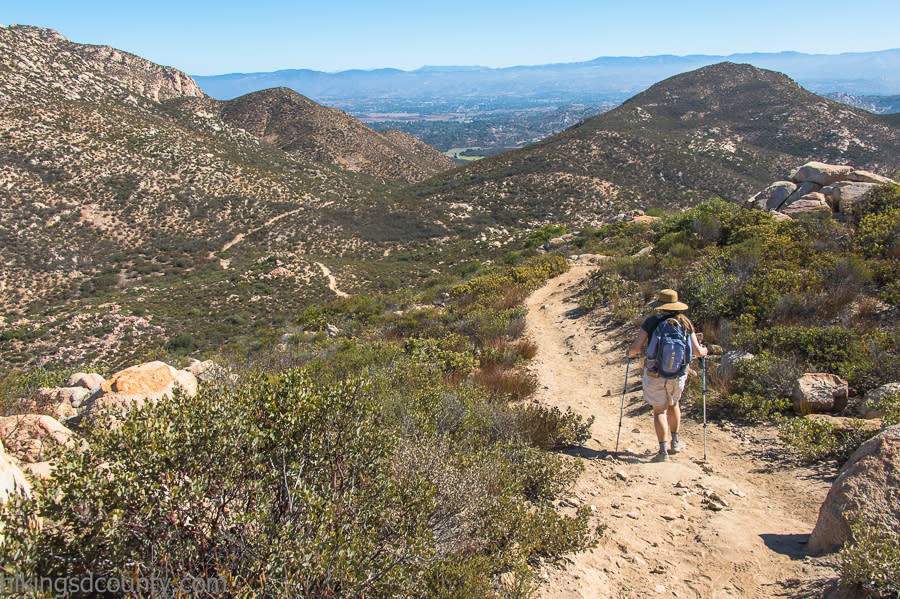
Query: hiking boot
column 662, row 456
column 677, row 446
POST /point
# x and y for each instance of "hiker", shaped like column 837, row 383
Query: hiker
column 670, row 333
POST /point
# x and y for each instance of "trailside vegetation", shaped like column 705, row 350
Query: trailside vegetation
column 812, row 294
column 393, row 460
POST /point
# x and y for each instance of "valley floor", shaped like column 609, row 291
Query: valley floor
column 663, row 540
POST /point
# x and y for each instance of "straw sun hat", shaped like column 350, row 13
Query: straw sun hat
column 667, row 299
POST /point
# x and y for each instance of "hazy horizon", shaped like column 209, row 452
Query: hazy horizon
column 205, row 38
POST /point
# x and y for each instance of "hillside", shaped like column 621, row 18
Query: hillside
column 109, row 197
column 317, row 133
column 724, row 130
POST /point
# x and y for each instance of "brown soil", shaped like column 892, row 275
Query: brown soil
column 663, row 539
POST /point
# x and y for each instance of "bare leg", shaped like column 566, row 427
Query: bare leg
column 673, row 415
column 659, row 423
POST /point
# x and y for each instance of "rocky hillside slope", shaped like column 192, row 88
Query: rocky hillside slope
column 726, row 130
column 112, row 167
column 314, row 132
column 122, row 186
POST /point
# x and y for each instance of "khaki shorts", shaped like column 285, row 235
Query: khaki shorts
column 659, row 391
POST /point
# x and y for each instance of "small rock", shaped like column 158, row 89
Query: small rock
column 668, row 517
column 621, row 475
column 660, row 589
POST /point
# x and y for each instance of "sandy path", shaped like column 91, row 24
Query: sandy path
column 332, row 282
column 240, row 236
column 662, row 540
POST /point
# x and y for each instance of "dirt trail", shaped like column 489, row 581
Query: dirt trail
column 332, row 282
column 662, row 539
column 240, row 236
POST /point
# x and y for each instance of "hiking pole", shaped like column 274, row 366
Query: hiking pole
column 704, row 407
column 622, row 410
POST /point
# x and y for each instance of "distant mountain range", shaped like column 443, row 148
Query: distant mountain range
column 595, row 82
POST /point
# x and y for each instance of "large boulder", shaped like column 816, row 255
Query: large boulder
column 12, row 479
column 210, row 372
column 872, row 405
column 75, row 396
column 820, row 173
column 31, row 437
column 819, row 392
column 810, row 202
column 773, row 196
column 729, row 361
column 847, row 193
column 869, row 177
column 802, row 189
column 134, row 386
column 87, row 380
column 151, row 380
column 868, row 485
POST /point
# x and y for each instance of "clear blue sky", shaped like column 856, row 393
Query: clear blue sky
column 206, row 38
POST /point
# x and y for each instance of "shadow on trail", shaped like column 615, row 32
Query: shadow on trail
column 603, row 454
column 791, row 545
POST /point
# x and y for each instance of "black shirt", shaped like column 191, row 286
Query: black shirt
column 652, row 322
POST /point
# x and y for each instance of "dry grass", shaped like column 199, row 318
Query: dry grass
column 510, row 298
column 505, row 383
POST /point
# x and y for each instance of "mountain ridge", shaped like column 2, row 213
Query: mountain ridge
column 859, row 73
column 725, row 130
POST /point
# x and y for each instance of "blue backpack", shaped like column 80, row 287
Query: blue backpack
column 669, row 351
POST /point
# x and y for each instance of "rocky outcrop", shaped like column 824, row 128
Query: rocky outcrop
column 634, row 216
column 820, row 173
column 134, row 386
column 729, row 361
column 773, row 196
column 32, row 437
column 845, row 425
column 817, row 186
column 869, row 486
column 819, row 392
column 873, row 404
column 12, row 480
column 88, row 381
column 80, row 69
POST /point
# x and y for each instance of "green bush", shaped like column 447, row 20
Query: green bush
column 551, row 428
column 827, row 349
column 544, row 234
column 182, row 344
column 878, row 235
column 280, row 487
column 889, row 405
column 813, row 440
column 702, row 225
column 762, row 387
column 17, row 387
column 871, row 561
column 710, row 291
